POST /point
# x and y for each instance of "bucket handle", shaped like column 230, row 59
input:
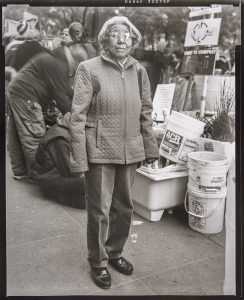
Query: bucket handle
column 199, row 216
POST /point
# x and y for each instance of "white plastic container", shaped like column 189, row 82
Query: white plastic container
column 205, row 210
column 181, row 137
column 207, row 171
column 153, row 194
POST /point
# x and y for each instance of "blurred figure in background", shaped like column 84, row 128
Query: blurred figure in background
column 22, row 30
column 165, row 61
column 76, row 31
column 18, row 54
column 62, row 39
column 224, row 62
column 66, row 38
column 51, row 169
column 44, row 78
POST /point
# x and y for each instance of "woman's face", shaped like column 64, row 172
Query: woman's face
column 120, row 41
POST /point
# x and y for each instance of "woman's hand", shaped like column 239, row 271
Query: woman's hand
column 77, row 174
column 150, row 160
column 139, row 164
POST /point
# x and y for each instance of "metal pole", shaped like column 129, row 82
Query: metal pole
column 204, row 90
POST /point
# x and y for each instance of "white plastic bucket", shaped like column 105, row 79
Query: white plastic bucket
column 207, row 171
column 205, row 210
column 181, row 137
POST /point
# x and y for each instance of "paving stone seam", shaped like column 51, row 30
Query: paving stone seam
column 114, row 286
column 41, row 240
column 217, row 243
column 208, row 237
column 179, row 266
column 68, row 214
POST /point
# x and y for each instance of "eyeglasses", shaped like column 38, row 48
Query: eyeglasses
column 115, row 34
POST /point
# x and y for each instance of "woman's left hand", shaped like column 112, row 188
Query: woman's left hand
column 139, row 164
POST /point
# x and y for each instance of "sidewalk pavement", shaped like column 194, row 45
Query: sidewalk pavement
column 46, row 251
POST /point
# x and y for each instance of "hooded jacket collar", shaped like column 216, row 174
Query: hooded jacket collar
column 105, row 56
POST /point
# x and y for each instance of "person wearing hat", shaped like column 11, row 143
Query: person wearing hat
column 111, row 133
column 46, row 77
column 24, row 48
column 21, row 29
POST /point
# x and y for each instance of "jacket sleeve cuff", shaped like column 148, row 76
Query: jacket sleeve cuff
column 152, row 155
column 80, row 169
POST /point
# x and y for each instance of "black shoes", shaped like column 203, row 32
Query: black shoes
column 101, row 277
column 122, row 265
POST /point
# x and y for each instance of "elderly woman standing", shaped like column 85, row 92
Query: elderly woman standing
column 111, row 132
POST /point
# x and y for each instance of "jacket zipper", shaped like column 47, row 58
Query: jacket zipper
column 122, row 76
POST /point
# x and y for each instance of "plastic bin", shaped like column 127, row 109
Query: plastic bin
column 152, row 194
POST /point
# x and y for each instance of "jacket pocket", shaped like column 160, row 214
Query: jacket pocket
column 37, row 129
column 90, row 124
column 99, row 133
column 35, row 122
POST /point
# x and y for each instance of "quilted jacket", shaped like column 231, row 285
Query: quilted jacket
column 109, row 122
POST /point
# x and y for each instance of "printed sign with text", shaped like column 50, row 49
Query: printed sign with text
column 162, row 100
column 199, row 11
column 199, row 62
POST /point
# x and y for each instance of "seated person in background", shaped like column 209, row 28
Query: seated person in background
column 51, row 169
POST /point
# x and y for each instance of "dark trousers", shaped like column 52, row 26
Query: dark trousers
column 109, row 210
column 68, row 191
column 25, row 129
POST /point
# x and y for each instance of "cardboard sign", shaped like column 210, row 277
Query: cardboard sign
column 203, row 32
column 199, row 62
column 199, row 11
column 162, row 100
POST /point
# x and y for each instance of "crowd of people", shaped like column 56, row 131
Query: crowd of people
column 79, row 125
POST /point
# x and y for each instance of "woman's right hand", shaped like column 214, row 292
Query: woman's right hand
column 77, row 174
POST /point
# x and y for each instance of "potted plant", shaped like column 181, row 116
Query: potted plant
column 219, row 131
